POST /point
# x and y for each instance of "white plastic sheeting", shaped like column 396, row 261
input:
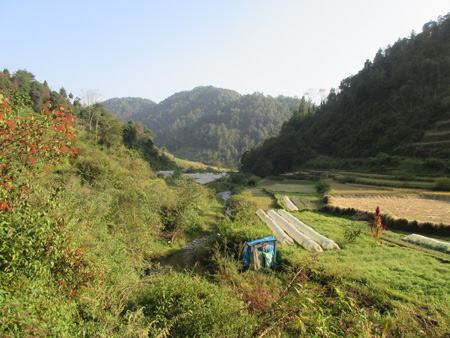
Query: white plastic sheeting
column 292, row 231
column 278, row 232
column 428, row 242
column 324, row 242
column 291, row 206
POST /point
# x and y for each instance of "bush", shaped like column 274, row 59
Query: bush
column 384, row 160
column 435, row 164
column 404, row 176
column 346, row 179
column 351, row 234
column 182, row 305
column 323, row 188
column 191, row 223
column 442, row 184
column 242, row 207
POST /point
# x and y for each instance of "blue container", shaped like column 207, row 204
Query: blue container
column 260, row 253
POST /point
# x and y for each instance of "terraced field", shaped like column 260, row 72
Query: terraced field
column 410, row 207
column 436, row 141
column 263, row 200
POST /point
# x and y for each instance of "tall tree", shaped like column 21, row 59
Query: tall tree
column 90, row 97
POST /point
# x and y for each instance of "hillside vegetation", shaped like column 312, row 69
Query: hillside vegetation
column 128, row 108
column 92, row 245
column 208, row 124
column 397, row 106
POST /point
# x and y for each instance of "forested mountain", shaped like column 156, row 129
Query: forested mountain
column 398, row 104
column 213, row 125
column 128, row 107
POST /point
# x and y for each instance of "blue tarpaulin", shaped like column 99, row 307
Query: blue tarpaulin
column 260, row 253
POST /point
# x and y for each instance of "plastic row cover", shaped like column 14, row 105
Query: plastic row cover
column 291, row 206
column 279, row 233
column 428, row 242
column 306, row 242
column 324, row 242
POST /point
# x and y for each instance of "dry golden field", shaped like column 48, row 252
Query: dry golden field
column 410, row 207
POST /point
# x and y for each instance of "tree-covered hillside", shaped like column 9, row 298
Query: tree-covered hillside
column 35, row 93
column 128, row 107
column 388, row 107
column 213, row 125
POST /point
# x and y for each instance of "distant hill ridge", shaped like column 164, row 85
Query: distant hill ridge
column 126, row 107
column 208, row 124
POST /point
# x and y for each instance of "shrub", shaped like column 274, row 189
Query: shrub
column 346, row 179
column 242, row 207
column 191, row 223
column 323, row 188
column 351, row 234
column 183, row 305
column 442, row 184
column 435, row 164
column 42, row 270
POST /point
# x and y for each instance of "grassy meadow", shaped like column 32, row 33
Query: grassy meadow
column 405, row 284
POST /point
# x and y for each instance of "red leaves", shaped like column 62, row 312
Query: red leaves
column 377, row 227
column 4, row 206
column 11, row 124
column 28, row 141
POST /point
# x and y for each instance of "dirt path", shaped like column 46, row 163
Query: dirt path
column 198, row 243
column 187, row 256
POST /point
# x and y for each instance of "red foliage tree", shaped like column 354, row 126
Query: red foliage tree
column 27, row 143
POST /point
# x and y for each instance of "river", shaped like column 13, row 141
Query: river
column 202, row 178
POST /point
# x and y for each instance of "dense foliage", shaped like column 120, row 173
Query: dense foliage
column 73, row 230
column 212, row 125
column 39, row 93
column 398, row 104
column 130, row 107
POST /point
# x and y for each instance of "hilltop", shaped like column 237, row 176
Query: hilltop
column 208, row 124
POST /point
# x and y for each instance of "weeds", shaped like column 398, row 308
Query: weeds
column 377, row 227
column 351, row 234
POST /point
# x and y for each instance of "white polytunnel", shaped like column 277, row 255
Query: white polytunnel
column 324, row 242
column 303, row 240
column 278, row 232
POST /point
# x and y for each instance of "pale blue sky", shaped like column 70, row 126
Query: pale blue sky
column 153, row 49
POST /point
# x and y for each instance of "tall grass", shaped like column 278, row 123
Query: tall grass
column 406, row 283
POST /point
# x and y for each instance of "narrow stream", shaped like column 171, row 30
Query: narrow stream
column 225, row 195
